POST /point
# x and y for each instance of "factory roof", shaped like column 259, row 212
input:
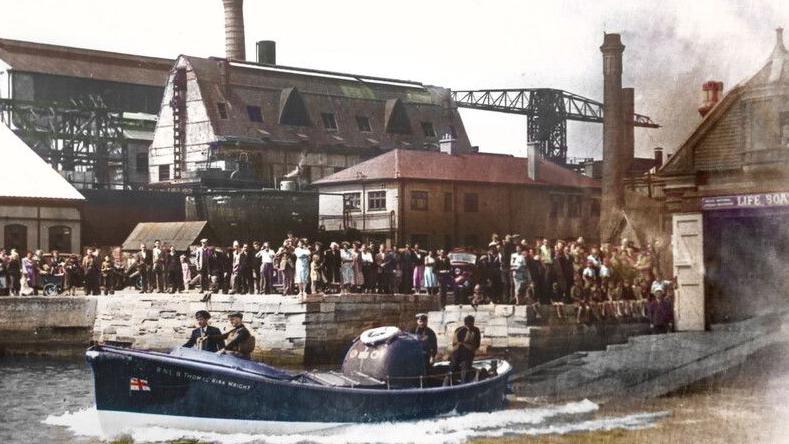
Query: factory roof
column 85, row 63
column 473, row 167
column 251, row 103
column 29, row 176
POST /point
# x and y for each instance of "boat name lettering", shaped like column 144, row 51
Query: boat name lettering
column 204, row 379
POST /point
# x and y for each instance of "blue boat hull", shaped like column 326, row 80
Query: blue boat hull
column 149, row 383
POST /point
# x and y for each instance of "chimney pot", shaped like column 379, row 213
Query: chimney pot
column 448, row 145
column 267, row 52
column 712, row 95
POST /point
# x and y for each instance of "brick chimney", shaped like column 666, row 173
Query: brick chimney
column 448, row 145
column 712, row 95
column 613, row 196
column 658, row 156
column 234, row 29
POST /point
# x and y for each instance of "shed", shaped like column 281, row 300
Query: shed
column 179, row 234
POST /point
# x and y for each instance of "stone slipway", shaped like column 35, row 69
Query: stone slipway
column 653, row 365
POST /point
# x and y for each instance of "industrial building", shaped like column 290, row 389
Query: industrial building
column 36, row 214
column 89, row 114
column 450, row 198
column 239, row 124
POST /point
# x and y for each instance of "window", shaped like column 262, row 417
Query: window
column 447, row 202
column 164, row 172
column 15, row 237
column 364, row 124
column 595, row 208
column 376, row 200
column 470, row 202
column 427, row 128
column 352, row 201
column 60, row 238
column 142, row 163
column 573, row 206
column 397, row 121
column 419, row 200
column 556, row 206
column 294, row 111
column 222, row 108
column 254, row 113
column 329, row 122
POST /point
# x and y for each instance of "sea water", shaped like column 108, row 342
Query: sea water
column 47, row 400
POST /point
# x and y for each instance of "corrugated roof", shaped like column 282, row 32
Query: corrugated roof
column 478, row 167
column 27, row 175
column 86, row 63
column 179, row 234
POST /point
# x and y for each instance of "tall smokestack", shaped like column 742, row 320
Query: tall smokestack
column 628, row 130
column 234, row 29
column 613, row 198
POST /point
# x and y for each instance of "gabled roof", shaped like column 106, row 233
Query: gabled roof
column 178, row 234
column 476, row 167
column 27, row 175
column 775, row 71
column 348, row 97
column 85, row 63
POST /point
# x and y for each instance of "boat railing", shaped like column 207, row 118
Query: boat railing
column 447, row 378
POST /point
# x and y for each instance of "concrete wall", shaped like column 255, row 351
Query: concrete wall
column 46, row 325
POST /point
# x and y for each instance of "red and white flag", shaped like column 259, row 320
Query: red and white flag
column 136, row 385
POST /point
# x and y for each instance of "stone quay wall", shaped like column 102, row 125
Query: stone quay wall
column 287, row 331
column 54, row 326
column 514, row 332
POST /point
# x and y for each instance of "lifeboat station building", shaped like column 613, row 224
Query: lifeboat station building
column 726, row 198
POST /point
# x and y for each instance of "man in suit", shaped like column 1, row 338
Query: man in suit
column 144, row 260
column 202, row 259
column 205, row 337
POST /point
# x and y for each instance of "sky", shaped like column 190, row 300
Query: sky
column 672, row 47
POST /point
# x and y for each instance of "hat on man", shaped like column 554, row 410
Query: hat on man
column 203, row 314
column 203, row 241
column 421, row 316
column 236, row 315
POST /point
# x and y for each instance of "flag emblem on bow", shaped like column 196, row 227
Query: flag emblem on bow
column 136, row 385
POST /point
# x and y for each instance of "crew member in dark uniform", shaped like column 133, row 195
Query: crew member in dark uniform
column 465, row 342
column 240, row 341
column 205, row 337
column 428, row 338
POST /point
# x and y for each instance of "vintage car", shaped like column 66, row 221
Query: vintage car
column 464, row 272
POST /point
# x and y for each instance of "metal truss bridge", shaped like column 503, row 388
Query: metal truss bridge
column 547, row 111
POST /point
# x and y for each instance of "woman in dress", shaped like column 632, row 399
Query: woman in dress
column 29, row 275
column 358, row 273
column 431, row 278
column 302, row 276
column 419, row 269
column 346, row 268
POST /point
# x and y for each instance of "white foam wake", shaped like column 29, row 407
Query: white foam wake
column 567, row 418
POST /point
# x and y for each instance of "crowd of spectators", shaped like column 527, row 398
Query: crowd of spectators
column 599, row 282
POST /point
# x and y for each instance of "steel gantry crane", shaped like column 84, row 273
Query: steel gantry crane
column 547, row 111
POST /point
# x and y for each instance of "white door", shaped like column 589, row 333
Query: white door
column 688, row 249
